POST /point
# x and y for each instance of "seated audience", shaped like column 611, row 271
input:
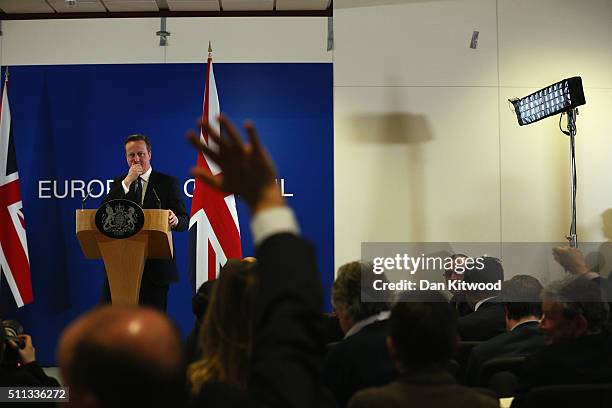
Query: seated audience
column 487, row 320
column 122, row 357
column 523, row 309
column 18, row 365
column 360, row 360
column 422, row 338
column 225, row 337
column 286, row 351
column 579, row 348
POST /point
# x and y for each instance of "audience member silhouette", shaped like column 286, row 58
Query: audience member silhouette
column 422, row 338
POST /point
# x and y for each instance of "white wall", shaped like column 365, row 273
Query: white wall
column 426, row 148
column 116, row 41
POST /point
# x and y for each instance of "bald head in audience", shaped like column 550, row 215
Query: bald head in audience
column 118, row 356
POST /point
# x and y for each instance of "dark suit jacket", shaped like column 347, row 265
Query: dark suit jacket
column 435, row 389
column 158, row 271
column 524, row 340
column 486, row 322
column 287, row 353
column 584, row 360
column 359, row 361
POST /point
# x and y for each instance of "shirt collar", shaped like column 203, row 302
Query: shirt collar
column 521, row 323
column 384, row 315
column 145, row 176
column 482, row 301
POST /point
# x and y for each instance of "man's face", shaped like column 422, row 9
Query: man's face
column 556, row 326
column 136, row 153
column 453, row 274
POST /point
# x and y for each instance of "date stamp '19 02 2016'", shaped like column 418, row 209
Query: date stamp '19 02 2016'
column 34, row 394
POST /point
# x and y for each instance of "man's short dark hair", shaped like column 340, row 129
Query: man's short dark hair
column 118, row 378
column 423, row 327
column 521, row 296
column 492, row 272
column 139, row 137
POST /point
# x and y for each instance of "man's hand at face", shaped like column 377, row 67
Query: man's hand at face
column 133, row 174
column 172, row 219
column 26, row 354
column 571, row 259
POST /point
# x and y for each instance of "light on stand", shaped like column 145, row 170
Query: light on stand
column 562, row 97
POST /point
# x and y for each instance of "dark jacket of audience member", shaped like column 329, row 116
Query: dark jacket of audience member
column 361, row 359
column 487, row 320
column 286, row 356
column 523, row 309
column 579, row 349
column 423, row 337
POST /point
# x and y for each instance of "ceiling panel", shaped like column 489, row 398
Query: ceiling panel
column 250, row 5
column 193, row 5
column 130, row 5
column 302, row 4
column 25, row 6
column 81, row 6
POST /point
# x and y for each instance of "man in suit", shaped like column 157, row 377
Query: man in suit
column 579, row 346
column 150, row 189
column 523, row 309
column 360, row 360
column 422, row 338
column 487, row 320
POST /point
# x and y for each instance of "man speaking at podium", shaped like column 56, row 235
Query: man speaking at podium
column 150, row 189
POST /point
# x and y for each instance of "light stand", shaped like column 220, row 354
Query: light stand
column 571, row 127
column 563, row 97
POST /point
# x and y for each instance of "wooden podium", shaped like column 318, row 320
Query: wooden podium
column 124, row 259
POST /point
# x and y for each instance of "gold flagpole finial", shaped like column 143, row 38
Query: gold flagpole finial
column 209, row 49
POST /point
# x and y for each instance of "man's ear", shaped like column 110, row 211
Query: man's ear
column 391, row 347
column 581, row 326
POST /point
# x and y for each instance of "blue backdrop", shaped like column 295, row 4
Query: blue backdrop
column 69, row 123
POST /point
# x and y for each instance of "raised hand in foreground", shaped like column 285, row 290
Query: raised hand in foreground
column 248, row 170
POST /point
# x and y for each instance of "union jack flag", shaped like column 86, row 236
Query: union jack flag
column 14, row 259
column 214, row 232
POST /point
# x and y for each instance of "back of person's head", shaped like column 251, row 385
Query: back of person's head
column 201, row 300
column 423, row 330
column 122, row 357
column 521, row 297
column 226, row 334
column 579, row 297
column 354, row 281
column 491, row 272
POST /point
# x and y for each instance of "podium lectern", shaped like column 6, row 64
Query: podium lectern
column 124, row 259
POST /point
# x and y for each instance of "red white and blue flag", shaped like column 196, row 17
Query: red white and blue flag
column 214, row 232
column 14, row 259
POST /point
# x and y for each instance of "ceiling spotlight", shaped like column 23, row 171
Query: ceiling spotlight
column 71, row 3
column 163, row 34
